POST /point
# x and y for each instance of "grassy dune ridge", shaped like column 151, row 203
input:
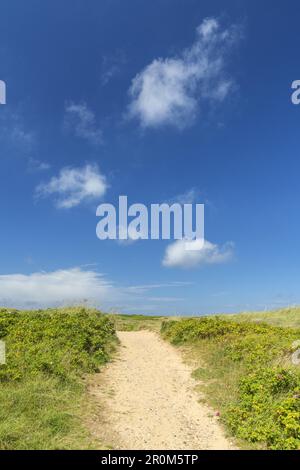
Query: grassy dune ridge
column 42, row 390
column 288, row 317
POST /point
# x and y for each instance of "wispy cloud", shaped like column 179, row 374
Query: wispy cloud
column 171, row 90
column 111, row 66
column 81, row 121
column 14, row 131
column 166, row 299
column 74, row 185
column 35, row 165
column 177, row 254
column 188, row 197
column 149, row 287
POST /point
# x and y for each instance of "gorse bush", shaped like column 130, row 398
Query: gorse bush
column 47, row 353
column 268, row 409
column 252, row 364
column 55, row 342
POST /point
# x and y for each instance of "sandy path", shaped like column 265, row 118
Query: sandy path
column 150, row 402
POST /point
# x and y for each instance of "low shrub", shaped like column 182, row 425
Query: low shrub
column 47, row 354
column 254, row 381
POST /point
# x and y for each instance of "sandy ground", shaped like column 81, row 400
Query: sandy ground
column 149, row 401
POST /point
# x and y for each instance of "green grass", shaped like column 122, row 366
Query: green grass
column 288, row 317
column 137, row 322
column 43, row 398
column 247, row 374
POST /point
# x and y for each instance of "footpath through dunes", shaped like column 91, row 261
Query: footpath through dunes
column 149, row 402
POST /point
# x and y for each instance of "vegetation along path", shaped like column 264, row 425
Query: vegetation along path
column 150, row 401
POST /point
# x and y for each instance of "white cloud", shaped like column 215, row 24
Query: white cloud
column 177, row 254
column 170, row 90
column 46, row 289
column 80, row 120
column 74, row 185
column 76, row 286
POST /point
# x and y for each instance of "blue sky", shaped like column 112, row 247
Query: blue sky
column 160, row 100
